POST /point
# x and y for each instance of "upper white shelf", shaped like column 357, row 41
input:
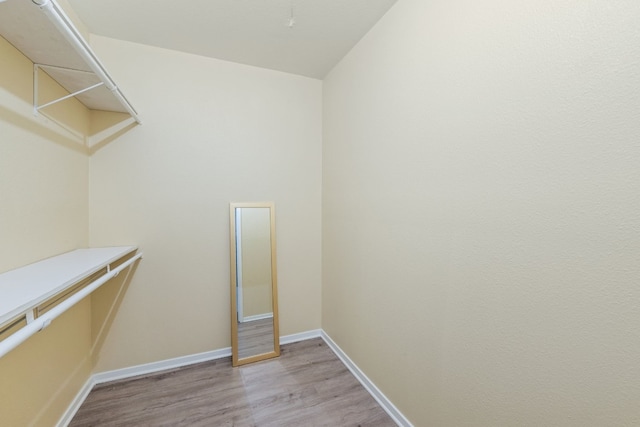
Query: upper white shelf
column 42, row 31
column 29, row 286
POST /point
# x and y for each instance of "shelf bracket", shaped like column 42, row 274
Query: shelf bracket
column 29, row 316
column 36, row 85
column 62, row 22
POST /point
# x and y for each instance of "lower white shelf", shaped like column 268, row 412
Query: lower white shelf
column 25, row 290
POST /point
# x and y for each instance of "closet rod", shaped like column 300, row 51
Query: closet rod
column 45, row 320
column 62, row 22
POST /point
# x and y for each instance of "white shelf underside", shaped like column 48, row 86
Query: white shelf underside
column 29, row 30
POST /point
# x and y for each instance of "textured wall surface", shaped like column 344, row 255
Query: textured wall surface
column 481, row 211
column 213, row 132
column 44, row 206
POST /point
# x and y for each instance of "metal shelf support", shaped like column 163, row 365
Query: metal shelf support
column 36, row 85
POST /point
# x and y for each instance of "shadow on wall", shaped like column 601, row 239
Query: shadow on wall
column 104, row 127
column 105, row 303
column 67, row 123
column 42, row 130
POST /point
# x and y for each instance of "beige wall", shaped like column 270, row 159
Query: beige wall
column 43, row 212
column 494, row 148
column 213, row 132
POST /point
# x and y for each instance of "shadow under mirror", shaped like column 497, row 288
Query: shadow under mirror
column 254, row 305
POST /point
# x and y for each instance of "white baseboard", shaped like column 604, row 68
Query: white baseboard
column 374, row 391
column 162, row 365
column 302, row 336
column 76, row 403
column 257, row 317
column 178, row 362
column 134, row 371
column 150, row 368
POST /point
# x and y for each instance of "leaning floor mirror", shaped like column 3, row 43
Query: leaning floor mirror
column 254, row 296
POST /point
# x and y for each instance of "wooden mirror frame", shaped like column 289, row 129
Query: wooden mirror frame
column 236, row 361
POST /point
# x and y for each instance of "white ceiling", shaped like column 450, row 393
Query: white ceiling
column 254, row 32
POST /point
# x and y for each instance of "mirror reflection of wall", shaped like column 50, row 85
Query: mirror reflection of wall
column 253, row 283
column 254, row 278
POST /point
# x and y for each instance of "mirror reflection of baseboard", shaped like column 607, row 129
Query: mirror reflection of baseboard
column 254, row 301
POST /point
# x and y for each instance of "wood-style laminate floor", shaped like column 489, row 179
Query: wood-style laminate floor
column 306, row 386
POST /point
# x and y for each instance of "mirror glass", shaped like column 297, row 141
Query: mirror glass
column 254, row 301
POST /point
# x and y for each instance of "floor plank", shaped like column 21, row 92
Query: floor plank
column 306, row 386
